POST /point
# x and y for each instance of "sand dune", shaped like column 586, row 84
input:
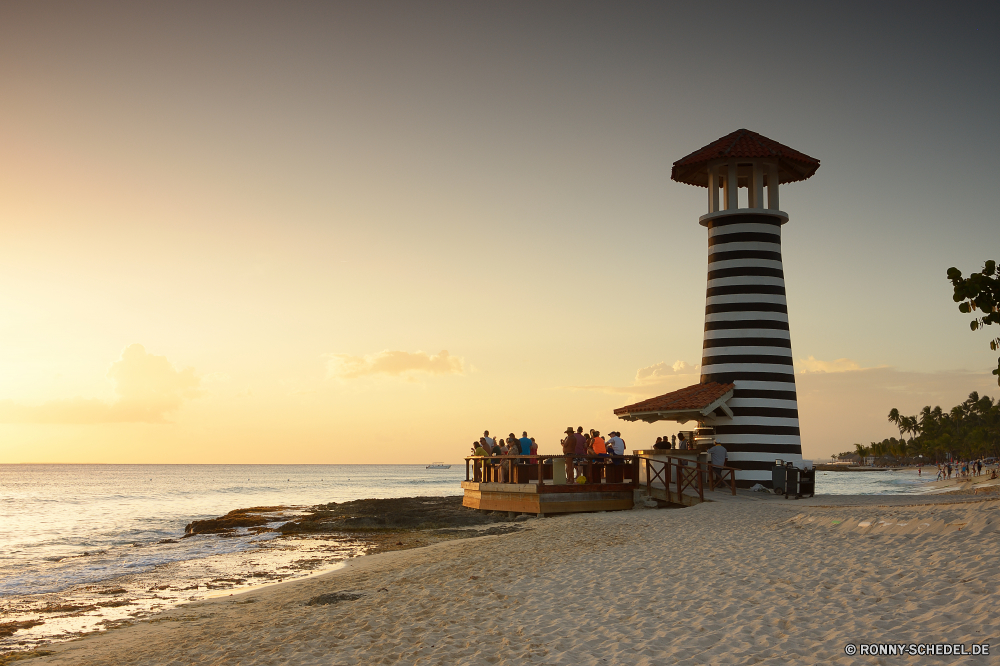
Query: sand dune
column 747, row 580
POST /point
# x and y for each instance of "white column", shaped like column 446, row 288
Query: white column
column 725, row 186
column 772, row 187
column 757, row 186
column 732, row 187
column 713, row 189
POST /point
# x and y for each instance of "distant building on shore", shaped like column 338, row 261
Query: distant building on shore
column 746, row 399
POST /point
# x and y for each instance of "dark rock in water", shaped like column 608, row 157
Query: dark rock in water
column 333, row 598
column 251, row 517
column 401, row 513
column 375, row 525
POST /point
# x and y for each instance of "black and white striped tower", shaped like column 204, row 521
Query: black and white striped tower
column 747, row 340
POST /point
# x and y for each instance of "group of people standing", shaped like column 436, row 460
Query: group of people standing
column 961, row 470
column 575, row 443
column 591, row 443
column 503, row 449
column 678, row 442
column 511, row 446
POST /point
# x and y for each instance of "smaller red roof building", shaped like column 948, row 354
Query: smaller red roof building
column 792, row 165
column 692, row 403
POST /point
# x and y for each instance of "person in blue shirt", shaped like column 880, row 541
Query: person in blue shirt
column 525, row 443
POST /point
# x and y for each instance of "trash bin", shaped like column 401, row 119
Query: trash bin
column 791, row 481
column 798, row 483
column 807, row 482
column 778, row 477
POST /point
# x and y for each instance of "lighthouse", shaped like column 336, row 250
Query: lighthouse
column 746, row 398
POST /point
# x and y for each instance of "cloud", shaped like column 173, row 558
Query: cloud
column 659, row 377
column 393, row 363
column 655, row 374
column 148, row 387
column 813, row 365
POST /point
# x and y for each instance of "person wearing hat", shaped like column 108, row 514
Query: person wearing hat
column 617, row 443
column 569, row 448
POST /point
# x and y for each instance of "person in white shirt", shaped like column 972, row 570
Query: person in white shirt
column 617, row 444
column 718, row 456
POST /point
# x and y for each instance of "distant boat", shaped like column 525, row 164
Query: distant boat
column 438, row 466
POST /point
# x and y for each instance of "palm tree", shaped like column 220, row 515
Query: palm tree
column 894, row 417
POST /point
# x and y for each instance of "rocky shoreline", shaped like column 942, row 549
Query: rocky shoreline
column 378, row 524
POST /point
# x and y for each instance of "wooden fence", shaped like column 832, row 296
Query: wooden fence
column 685, row 474
column 541, row 469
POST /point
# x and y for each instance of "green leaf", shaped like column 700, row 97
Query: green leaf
column 974, row 324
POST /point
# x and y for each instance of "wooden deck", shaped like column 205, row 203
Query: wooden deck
column 536, row 485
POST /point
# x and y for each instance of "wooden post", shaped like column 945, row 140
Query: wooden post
column 466, row 469
column 541, row 474
column 701, row 486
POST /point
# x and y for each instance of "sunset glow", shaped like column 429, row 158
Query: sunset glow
column 343, row 233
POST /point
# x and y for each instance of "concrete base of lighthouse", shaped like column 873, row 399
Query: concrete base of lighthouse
column 747, row 342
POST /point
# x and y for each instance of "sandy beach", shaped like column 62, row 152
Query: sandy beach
column 744, row 580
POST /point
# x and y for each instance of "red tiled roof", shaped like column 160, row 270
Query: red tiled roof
column 696, row 397
column 792, row 165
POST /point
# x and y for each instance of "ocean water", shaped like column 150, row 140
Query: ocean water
column 869, row 483
column 68, row 524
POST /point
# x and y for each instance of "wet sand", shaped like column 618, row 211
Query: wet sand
column 751, row 579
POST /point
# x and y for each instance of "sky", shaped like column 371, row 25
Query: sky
column 309, row 232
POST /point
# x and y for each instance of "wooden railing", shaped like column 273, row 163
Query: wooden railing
column 724, row 473
column 685, row 473
column 540, row 469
